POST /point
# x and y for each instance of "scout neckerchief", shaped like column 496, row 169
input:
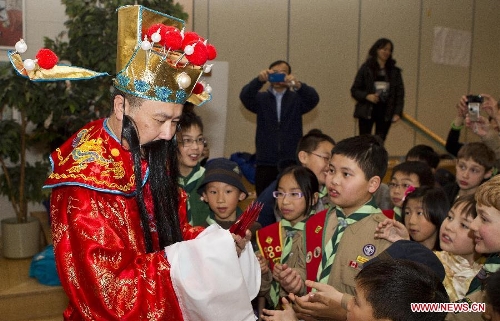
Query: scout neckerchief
column 189, row 183
column 398, row 214
column 323, row 201
column 491, row 265
column 331, row 246
column 290, row 232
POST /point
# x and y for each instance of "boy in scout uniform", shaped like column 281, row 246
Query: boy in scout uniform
column 341, row 240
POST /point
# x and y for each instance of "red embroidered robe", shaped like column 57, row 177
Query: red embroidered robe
column 98, row 238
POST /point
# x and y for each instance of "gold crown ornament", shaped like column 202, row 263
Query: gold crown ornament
column 45, row 68
column 158, row 60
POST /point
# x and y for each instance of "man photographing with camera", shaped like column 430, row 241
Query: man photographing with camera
column 279, row 112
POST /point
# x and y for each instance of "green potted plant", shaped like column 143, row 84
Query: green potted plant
column 20, row 180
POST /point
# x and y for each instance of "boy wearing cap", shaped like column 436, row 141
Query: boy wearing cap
column 222, row 188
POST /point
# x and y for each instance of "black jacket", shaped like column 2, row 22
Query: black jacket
column 364, row 84
column 276, row 141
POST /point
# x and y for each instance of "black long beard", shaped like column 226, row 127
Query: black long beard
column 163, row 182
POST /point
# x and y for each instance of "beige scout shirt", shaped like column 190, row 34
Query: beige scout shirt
column 356, row 246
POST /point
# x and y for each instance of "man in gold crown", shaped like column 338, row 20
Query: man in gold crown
column 123, row 247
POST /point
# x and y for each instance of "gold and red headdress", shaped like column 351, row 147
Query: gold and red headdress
column 157, row 60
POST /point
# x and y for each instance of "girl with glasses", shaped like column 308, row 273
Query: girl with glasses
column 281, row 244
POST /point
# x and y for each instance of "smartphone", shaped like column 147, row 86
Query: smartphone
column 473, row 104
column 276, row 77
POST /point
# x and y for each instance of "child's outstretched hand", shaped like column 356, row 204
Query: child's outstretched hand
column 324, row 304
column 264, row 266
column 325, row 290
column 391, row 231
column 287, row 314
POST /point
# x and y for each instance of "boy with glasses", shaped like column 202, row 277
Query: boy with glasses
column 404, row 175
column 190, row 142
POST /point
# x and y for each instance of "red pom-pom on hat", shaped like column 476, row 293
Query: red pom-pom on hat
column 46, row 58
column 198, row 88
column 199, row 55
column 157, row 27
column 212, row 52
column 173, row 38
column 190, row 37
column 161, row 29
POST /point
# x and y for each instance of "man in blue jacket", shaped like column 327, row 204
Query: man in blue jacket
column 279, row 117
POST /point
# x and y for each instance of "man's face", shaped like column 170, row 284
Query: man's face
column 155, row 120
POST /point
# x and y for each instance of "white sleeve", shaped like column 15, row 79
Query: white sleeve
column 210, row 281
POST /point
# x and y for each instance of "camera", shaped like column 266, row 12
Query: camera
column 473, row 103
column 276, row 77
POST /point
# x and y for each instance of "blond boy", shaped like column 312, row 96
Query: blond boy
column 486, row 228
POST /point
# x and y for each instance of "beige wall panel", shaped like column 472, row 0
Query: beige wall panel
column 485, row 52
column 199, row 18
column 323, row 47
column 398, row 21
column 440, row 86
column 249, row 35
column 485, row 49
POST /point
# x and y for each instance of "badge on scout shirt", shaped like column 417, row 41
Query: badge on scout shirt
column 369, row 249
column 353, row 264
column 358, row 263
